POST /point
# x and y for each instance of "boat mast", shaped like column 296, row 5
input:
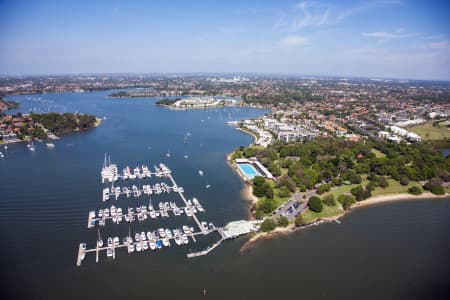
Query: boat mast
column 104, row 162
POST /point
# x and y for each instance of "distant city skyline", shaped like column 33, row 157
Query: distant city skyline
column 380, row 38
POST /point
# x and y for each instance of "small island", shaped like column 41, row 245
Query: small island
column 24, row 127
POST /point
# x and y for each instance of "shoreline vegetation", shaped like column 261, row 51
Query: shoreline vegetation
column 139, row 94
column 8, row 104
column 291, row 228
column 25, row 127
column 365, row 186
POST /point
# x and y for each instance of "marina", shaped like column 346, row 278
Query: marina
column 142, row 213
column 162, row 237
column 110, row 172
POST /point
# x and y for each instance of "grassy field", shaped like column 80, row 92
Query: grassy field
column 394, row 188
column 278, row 200
column 343, row 189
column 328, row 211
column 429, row 132
column 378, row 153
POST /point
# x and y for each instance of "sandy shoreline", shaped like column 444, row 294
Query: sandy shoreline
column 365, row 203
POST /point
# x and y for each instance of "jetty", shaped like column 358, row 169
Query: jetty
column 154, row 240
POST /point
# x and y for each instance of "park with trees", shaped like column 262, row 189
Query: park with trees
column 343, row 172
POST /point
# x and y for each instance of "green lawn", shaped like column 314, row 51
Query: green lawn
column 343, row 189
column 328, row 211
column 429, row 132
column 378, row 153
column 394, row 188
column 278, row 200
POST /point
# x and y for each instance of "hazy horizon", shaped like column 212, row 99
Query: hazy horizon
column 389, row 39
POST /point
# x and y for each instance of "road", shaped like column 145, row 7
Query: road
column 294, row 206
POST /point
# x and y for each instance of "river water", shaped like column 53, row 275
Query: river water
column 390, row 251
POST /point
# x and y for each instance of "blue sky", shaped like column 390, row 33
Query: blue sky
column 379, row 38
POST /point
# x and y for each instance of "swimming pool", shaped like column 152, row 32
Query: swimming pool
column 248, row 170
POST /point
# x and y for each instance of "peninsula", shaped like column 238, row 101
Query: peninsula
column 23, row 127
column 314, row 162
column 197, row 102
column 6, row 105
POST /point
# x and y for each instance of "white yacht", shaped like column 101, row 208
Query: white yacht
column 185, row 239
column 138, row 247
column 195, row 201
column 117, row 189
column 105, row 194
column 50, row 145
column 200, row 172
column 136, row 191
column 211, row 226
column 165, row 242
column 145, row 245
column 131, row 248
column 31, row 146
column 186, row 229
column 168, row 153
column 152, row 245
column 1, row 155
column 205, row 226
column 113, row 210
column 126, row 190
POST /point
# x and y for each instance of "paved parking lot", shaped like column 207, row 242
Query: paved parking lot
column 294, row 206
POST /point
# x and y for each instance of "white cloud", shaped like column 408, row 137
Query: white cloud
column 365, row 6
column 308, row 14
column 312, row 14
column 293, row 41
column 439, row 45
column 383, row 35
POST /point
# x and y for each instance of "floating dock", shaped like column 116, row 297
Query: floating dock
column 110, row 173
column 143, row 214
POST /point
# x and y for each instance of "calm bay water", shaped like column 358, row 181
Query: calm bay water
column 390, row 251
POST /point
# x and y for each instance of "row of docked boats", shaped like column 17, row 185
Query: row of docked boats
column 147, row 189
column 148, row 240
column 110, row 172
column 143, row 212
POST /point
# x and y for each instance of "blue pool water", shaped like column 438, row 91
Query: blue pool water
column 248, row 170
